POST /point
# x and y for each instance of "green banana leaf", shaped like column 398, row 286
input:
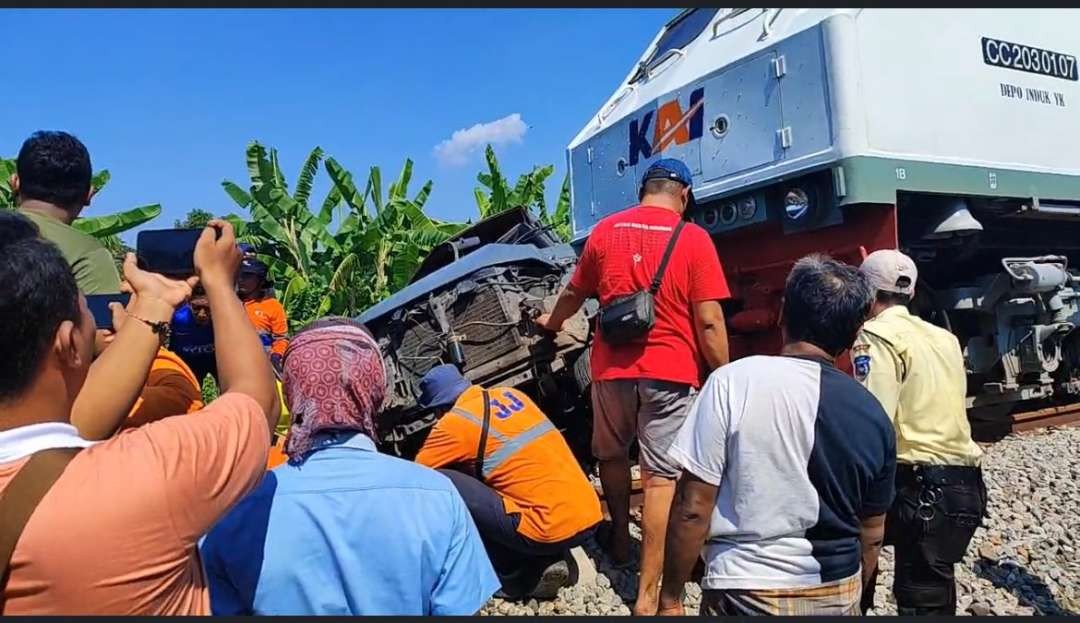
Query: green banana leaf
column 401, row 186
column 111, row 224
column 100, row 179
column 344, row 272
column 422, row 196
column 239, row 195
column 306, row 178
column 374, row 188
column 343, row 184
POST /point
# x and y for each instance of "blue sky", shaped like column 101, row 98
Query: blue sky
column 167, row 100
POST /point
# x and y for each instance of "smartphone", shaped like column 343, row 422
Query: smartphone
column 99, row 307
column 169, row 252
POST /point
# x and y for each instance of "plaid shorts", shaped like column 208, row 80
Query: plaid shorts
column 838, row 598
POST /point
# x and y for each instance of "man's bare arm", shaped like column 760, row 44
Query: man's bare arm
column 688, row 526
column 711, row 332
column 569, row 301
column 117, row 376
column 871, row 535
column 241, row 361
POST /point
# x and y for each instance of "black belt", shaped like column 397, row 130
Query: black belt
column 939, row 475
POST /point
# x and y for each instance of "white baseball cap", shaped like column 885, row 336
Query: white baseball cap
column 890, row 271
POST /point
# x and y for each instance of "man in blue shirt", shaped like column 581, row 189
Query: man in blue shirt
column 193, row 336
column 340, row 528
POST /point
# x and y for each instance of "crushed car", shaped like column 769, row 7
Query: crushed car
column 473, row 302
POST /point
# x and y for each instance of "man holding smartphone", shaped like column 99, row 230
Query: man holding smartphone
column 143, row 498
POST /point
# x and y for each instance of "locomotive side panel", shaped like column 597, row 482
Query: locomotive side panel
column 991, row 88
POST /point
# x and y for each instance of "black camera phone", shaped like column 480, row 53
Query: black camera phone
column 170, row 252
column 99, row 307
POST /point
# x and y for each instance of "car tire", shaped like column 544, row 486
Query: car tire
column 582, row 369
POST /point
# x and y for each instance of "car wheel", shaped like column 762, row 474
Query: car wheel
column 582, row 370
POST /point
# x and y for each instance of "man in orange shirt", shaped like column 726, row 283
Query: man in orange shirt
column 171, row 389
column 117, row 531
column 528, row 496
column 265, row 312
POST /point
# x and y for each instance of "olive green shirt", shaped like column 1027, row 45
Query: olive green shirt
column 90, row 261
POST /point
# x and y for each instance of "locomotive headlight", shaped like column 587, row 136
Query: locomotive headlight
column 728, row 213
column 796, row 203
column 709, row 217
column 747, row 208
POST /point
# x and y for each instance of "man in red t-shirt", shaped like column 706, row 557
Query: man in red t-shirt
column 644, row 388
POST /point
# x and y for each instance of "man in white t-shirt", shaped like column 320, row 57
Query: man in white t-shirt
column 787, row 465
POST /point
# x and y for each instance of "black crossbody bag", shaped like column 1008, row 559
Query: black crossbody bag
column 630, row 317
column 481, row 450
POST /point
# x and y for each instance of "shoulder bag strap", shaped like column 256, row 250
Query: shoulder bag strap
column 481, row 450
column 667, row 256
column 21, row 498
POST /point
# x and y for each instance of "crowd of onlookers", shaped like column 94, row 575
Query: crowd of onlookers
column 122, row 493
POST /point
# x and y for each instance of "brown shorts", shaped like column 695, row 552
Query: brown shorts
column 653, row 411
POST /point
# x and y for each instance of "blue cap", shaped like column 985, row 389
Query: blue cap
column 183, row 316
column 253, row 266
column 442, row 386
column 668, row 169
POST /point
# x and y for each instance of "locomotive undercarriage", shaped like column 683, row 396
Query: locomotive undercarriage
column 1001, row 274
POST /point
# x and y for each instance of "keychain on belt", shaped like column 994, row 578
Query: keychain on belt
column 929, row 496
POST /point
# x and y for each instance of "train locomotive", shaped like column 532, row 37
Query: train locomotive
column 949, row 134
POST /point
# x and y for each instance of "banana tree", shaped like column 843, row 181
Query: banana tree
column 495, row 194
column 559, row 219
column 392, row 240
column 369, row 255
column 284, row 230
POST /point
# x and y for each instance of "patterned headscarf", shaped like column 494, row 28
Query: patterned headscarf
column 334, row 380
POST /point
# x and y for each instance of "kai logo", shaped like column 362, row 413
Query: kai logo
column 672, row 126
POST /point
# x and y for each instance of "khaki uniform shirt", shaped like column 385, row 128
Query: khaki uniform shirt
column 916, row 370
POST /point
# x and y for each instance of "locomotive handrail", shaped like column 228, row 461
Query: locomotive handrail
column 610, row 108
column 723, row 18
column 660, row 61
column 767, row 22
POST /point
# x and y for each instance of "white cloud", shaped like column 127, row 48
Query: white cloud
column 455, row 151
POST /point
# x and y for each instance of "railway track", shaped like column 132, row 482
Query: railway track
column 993, row 429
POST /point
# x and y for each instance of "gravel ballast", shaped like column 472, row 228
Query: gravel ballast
column 1023, row 561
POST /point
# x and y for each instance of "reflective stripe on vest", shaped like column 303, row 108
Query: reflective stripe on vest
column 509, row 445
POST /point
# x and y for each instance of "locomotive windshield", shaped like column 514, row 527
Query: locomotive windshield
column 679, row 32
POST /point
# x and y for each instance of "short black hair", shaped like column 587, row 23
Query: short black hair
column 54, row 167
column 892, row 298
column 37, row 293
column 661, row 186
column 825, row 303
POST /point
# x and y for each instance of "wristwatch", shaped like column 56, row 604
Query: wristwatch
column 161, row 328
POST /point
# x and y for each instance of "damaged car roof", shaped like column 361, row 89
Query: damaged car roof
column 487, row 255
